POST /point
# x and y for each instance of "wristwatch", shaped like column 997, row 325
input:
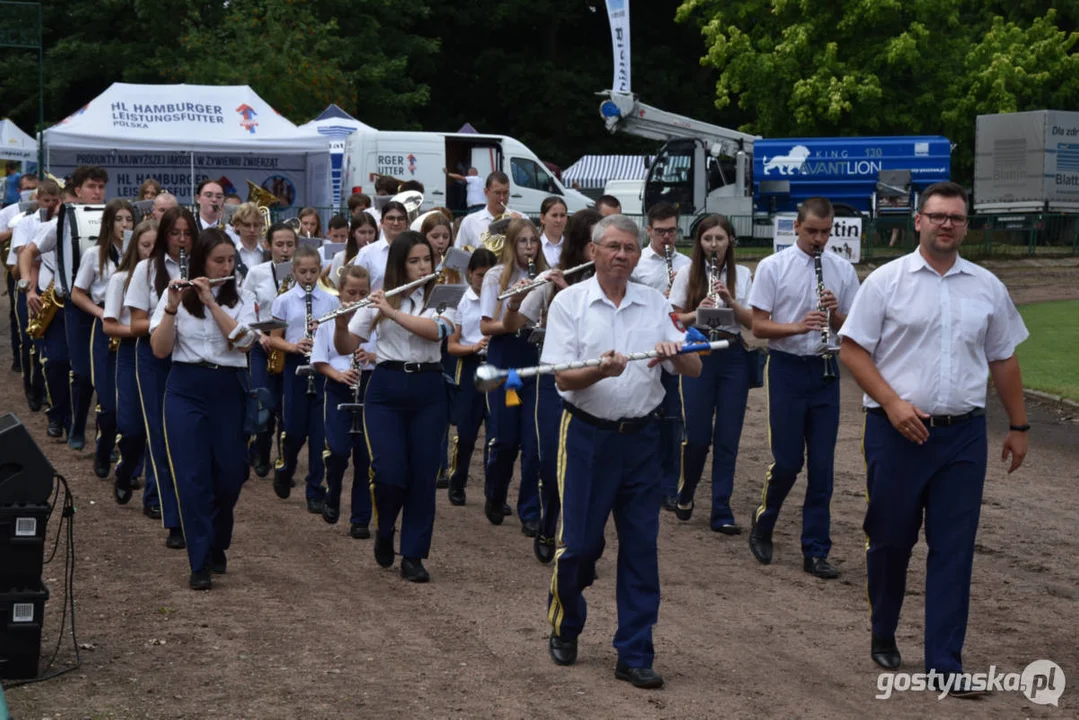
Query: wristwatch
column 1019, row 428
column 23, row 285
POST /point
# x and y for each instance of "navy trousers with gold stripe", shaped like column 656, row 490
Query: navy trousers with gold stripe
column 600, row 472
column 510, row 429
column 548, row 420
column 151, row 375
column 103, row 376
column 403, row 415
column 803, row 423
column 79, row 326
column 33, row 377
column 340, row 444
column 207, row 449
column 302, row 424
column 56, row 368
column 16, row 338
column 131, row 430
column 942, row 479
column 468, row 412
column 261, row 378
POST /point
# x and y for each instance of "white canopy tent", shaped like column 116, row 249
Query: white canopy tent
column 15, row 144
column 183, row 134
column 336, row 124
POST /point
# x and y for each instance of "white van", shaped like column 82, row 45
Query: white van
column 628, row 193
column 422, row 156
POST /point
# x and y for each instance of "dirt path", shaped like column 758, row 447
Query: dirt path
column 306, row 625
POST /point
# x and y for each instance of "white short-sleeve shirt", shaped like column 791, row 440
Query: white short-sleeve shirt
column 201, row 340
column 142, row 290
column 651, row 269
column 468, row 317
column 260, row 289
column 742, row 284
column 582, row 324
column 373, row 257
column 474, row 195
column 491, row 289
column 932, row 337
column 395, row 343
column 324, row 350
column 90, row 279
column 786, row 287
column 292, row 308
column 114, row 299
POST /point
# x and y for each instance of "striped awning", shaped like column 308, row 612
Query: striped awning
column 593, row 171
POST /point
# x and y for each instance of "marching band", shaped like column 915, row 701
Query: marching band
column 199, row 343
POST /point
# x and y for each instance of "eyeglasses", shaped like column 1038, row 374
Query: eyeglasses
column 939, row 218
column 664, row 232
column 394, row 219
column 629, row 249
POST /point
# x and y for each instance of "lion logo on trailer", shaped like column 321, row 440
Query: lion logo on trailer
column 790, row 163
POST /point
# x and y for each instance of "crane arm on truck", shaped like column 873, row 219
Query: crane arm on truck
column 623, row 112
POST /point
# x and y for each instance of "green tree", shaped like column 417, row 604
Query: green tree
column 865, row 67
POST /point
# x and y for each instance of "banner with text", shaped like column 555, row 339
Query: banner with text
column 618, row 14
column 283, row 175
column 846, row 240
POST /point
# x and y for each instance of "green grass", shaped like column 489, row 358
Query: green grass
column 1050, row 356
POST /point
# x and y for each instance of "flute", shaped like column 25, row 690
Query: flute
column 543, row 280
column 367, row 302
column 212, row 281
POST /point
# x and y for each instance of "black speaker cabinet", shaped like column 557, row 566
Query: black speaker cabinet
column 26, row 475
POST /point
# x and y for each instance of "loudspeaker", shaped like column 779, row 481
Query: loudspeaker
column 26, row 475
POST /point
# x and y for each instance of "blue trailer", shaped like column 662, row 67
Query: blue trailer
column 871, row 175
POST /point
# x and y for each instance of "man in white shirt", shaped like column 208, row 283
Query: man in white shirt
column 26, row 182
column 210, row 199
column 373, row 257
column 925, row 333
column 474, row 196
column 802, row 384
column 653, row 270
column 497, row 192
column 607, row 449
column 162, row 203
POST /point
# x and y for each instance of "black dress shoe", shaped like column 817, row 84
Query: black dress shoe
column 728, row 529
column 442, row 481
column 638, row 677
column 529, row 528
column 543, row 548
column 683, row 513
column 563, row 651
column 760, row 544
column 506, row 509
column 136, row 483
column 384, row 551
column 101, row 469
column 493, row 512
column 282, row 487
column 114, row 457
column 121, row 494
column 456, row 496
column 412, row 569
column 885, row 653
column 201, row 580
column 315, row 505
column 359, row 532
column 152, row 511
column 956, row 685
column 56, row 429
column 262, row 469
column 330, row 513
column 16, row 366
column 34, row 403
column 670, row 503
column 175, row 540
column 219, row 562
column 819, row 567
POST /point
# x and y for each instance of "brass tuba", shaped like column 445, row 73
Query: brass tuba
column 275, row 361
column 265, row 200
column 494, row 237
column 50, row 303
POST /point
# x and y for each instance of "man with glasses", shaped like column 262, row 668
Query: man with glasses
column 925, row 333
column 210, row 199
column 803, row 399
column 654, row 271
column 374, row 256
column 608, row 442
column 497, row 192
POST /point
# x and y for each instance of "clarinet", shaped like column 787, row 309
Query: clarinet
column 357, row 407
column 531, row 269
column 183, row 264
column 713, row 278
column 825, row 333
column 668, row 253
column 308, row 336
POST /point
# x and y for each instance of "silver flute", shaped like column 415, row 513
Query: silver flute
column 366, row 302
column 541, row 281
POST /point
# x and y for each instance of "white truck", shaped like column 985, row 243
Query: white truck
column 423, row 155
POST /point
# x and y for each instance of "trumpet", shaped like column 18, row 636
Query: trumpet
column 543, row 280
column 668, row 253
column 183, row 264
column 824, row 350
column 367, row 302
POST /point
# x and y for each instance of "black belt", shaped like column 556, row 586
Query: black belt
column 938, row 420
column 411, row 367
column 625, row 426
column 208, row 365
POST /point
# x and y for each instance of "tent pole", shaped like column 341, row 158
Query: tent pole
column 192, row 177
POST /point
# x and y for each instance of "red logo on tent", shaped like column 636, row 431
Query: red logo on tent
column 247, row 114
column 412, row 164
